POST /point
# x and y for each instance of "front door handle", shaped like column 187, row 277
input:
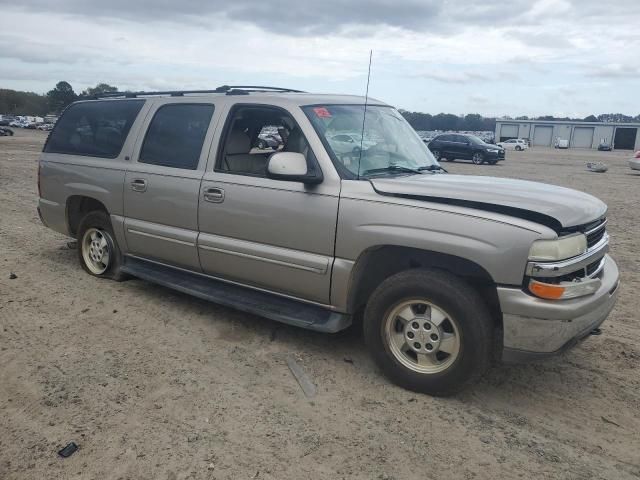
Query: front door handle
column 139, row 185
column 214, row 195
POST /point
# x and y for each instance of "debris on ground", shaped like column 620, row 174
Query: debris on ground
column 68, row 450
column 606, row 420
column 597, row 167
column 304, row 381
column 12, row 276
column 348, row 360
column 72, row 245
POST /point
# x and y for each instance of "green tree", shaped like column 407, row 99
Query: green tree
column 61, row 96
column 98, row 89
column 591, row 118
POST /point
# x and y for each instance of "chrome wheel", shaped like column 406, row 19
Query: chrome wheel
column 478, row 158
column 96, row 250
column 422, row 337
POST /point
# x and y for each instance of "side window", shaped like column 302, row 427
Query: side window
column 245, row 149
column 176, row 134
column 96, row 128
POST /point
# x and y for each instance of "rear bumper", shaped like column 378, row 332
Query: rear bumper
column 535, row 328
column 634, row 164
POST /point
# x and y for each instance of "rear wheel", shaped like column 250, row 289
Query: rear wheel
column 436, row 154
column 98, row 250
column 428, row 331
column 478, row 158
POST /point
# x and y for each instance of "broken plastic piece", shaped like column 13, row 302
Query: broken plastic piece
column 68, row 450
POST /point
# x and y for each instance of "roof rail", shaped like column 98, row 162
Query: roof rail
column 226, row 89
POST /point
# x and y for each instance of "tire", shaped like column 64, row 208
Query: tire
column 478, row 158
column 518, row 148
column 462, row 315
column 450, row 159
column 436, row 154
column 492, row 162
column 97, row 240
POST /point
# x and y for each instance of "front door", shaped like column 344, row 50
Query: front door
column 272, row 234
column 162, row 184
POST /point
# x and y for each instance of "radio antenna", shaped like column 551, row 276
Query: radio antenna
column 364, row 116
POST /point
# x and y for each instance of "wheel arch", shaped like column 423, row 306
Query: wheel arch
column 377, row 263
column 77, row 206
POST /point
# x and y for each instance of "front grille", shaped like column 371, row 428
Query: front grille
column 595, row 234
column 592, row 267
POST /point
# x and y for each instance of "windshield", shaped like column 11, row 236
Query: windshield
column 387, row 145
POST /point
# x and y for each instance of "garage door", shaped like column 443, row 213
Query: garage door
column 542, row 136
column 582, row 137
column 508, row 131
column 625, row 138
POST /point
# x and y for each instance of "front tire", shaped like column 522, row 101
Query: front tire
column 478, row 158
column 428, row 331
column 436, row 154
column 518, row 148
column 98, row 250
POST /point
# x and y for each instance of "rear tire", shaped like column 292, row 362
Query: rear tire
column 436, row 154
column 98, row 250
column 428, row 331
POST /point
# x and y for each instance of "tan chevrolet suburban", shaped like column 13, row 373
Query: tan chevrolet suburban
column 347, row 215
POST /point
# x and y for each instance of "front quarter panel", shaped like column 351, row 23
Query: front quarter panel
column 498, row 243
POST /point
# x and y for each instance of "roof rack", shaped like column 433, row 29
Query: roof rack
column 226, row 89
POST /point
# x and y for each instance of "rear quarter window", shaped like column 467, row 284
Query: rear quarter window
column 94, row 128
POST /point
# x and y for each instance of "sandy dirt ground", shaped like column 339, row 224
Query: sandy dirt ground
column 153, row 384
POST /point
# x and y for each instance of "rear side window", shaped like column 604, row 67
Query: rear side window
column 176, row 134
column 95, row 129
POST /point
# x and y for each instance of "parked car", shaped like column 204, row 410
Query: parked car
column 6, row 132
column 514, row 144
column 456, row 146
column 634, row 163
column 561, row 143
column 447, row 271
column 604, row 146
column 45, row 126
column 16, row 123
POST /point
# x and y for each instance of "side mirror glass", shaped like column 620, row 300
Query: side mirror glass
column 291, row 166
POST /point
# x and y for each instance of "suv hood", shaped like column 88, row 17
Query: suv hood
column 555, row 207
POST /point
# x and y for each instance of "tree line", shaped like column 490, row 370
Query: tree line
column 476, row 122
column 55, row 100
column 14, row 102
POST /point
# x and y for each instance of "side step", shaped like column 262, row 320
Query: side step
column 274, row 307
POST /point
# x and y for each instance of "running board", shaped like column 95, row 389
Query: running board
column 274, row 307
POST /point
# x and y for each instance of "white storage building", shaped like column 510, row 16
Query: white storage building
column 622, row 136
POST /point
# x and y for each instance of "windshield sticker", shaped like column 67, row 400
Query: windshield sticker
column 322, row 112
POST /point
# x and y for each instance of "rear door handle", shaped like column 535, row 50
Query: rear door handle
column 139, row 185
column 214, row 195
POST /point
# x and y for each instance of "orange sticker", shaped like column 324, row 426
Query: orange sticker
column 322, row 112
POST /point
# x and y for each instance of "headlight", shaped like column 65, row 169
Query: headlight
column 491, row 150
column 559, row 249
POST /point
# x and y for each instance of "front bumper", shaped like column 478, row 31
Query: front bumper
column 535, row 328
column 499, row 156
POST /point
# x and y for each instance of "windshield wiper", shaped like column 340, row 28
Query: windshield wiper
column 393, row 168
column 433, row 168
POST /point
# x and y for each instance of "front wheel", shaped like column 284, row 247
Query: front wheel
column 98, row 250
column 436, row 154
column 478, row 158
column 518, row 148
column 428, row 331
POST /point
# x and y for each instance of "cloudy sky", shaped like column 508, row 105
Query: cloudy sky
column 517, row 57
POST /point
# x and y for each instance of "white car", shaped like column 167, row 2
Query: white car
column 514, row 144
column 634, row 163
column 349, row 143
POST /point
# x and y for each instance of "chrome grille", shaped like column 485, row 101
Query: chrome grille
column 595, row 234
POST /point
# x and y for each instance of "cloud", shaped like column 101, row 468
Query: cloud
column 614, row 70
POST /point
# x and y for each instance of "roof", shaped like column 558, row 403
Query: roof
column 571, row 122
column 256, row 94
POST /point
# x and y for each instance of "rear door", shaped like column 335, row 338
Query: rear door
column 162, row 185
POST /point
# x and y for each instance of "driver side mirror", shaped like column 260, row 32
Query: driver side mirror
column 291, row 166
